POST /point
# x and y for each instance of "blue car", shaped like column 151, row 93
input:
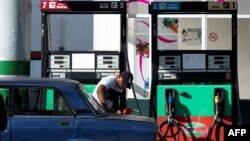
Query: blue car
column 44, row 109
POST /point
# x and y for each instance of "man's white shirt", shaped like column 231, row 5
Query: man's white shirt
column 110, row 83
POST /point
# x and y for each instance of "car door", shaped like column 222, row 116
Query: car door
column 43, row 115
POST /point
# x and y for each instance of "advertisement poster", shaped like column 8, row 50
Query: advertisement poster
column 191, row 36
column 179, row 33
column 168, row 33
column 142, row 58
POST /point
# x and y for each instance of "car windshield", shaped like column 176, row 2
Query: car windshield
column 92, row 101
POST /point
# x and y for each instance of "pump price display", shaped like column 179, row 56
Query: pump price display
column 107, row 61
column 236, row 132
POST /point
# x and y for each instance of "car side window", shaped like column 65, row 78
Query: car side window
column 3, row 108
column 40, row 102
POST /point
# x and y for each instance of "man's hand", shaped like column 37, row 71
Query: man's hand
column 127, row 111
column 118, row 111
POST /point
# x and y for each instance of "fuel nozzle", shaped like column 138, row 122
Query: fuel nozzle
column 170, row 101
column 218, row 110
column 219, row 101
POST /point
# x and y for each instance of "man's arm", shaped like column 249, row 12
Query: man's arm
column 101, row 96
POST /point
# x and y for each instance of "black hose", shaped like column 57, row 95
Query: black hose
column 170, row 125
column 217, row 131
column 152, row 109
column 219, row 123
column 133, row 89
column 211, row 128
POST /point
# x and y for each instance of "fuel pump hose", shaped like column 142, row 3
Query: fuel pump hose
column 218, row 118
column 170, row 123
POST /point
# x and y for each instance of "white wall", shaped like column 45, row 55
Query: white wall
column 36, row 26
column 244, row 57
column 243, row 6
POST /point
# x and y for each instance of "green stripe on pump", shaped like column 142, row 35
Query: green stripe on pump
column 198, row 100
column 14, row 67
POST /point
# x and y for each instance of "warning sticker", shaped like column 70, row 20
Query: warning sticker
column 52, row 4
column 55, row 5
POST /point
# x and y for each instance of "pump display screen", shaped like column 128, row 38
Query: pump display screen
column 194, row 61
column 59, row 61
column 83, row 61
column 107, row 61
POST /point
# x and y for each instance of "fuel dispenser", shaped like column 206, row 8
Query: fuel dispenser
column 169, row 128
column 84, row 63
column 194, row 69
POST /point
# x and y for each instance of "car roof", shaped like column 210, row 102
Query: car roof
column 29, row 81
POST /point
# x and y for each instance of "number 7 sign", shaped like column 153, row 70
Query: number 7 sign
column 53, row 5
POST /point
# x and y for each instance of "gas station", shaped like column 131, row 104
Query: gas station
column 191, row 59
column 194, row 81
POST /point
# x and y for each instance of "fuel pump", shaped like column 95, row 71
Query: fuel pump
column 81, row 55
column 186, row 59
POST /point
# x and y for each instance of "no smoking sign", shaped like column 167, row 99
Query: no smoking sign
column 213, row 36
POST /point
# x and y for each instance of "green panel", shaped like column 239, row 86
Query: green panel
column 4, row 93
column 50, row 99
column 198, row 100
column 90, row 88
column 143, row 103
column 14, row 67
